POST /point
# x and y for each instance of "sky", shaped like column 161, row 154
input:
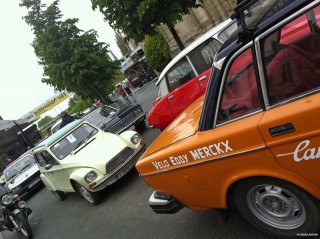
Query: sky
column 21, row 89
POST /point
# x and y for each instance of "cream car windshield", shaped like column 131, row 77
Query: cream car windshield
column 73, row 140
column 18, row 167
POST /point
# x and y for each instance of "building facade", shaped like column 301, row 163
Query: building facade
column 198, row 22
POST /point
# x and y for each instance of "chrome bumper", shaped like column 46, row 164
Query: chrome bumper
column 164, row 204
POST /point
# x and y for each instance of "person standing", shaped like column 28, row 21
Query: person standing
column 121, row 91
column 126, row 88
column 7, row 162
column 66, row 119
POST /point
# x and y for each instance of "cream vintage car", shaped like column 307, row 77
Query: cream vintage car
column 82, row 158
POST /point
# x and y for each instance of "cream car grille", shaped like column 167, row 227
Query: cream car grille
column 118, row 160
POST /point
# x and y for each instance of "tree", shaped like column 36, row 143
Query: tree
column 122, row 44
column 157, row 51
column 80, row 106
column 72, row 59
column 44, row 121
column 141, row 17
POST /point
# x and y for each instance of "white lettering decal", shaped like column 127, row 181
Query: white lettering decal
column 179, row 160
column 300, row 147
column 162, row 164
column 210, row 147
column 194, row 154
column 217, row 146
column 207, row 151
column 226, row 145
column 302, row 152
column 201, row 153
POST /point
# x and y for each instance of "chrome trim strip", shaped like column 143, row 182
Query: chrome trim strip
column 132, row 158
column 261, row 73
column 157, row 201
column 245, row 47
column 291, row 99
column 192, row 66
column 240, row 117
column 206, row 161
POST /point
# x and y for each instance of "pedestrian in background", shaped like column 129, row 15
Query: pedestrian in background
column 125, row 86
column 66, row 119
column 7, row 162
column 121, row 91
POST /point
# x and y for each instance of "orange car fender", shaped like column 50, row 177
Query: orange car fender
column 281, row 174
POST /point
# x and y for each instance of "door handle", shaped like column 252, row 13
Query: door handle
column 281, row 129
column 170, row 97
column 202, row 78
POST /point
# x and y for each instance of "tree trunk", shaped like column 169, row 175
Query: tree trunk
column 102, row 97
column 175, row 36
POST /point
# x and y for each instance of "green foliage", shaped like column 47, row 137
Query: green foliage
column 80, row 106
column 72, row 59
column 157, row 51
column 141, row 17
column 44, row 121
column 3, row 158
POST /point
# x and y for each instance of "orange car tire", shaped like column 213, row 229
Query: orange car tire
column 277, row 207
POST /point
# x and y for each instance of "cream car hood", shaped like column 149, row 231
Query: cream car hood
column 96, row 153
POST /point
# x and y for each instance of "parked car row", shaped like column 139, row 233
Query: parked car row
column 251, row 141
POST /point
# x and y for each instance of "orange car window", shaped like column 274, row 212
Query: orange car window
column 240, row 94
column 293, row 62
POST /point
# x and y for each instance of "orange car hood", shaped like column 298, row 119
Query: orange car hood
column 185, row 125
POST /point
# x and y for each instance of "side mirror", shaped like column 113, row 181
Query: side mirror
column 48, row 166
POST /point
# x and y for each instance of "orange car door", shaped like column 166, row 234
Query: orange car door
column 291, row 126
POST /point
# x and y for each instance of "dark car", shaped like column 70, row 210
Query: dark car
column 23, row 175
column 114, row 120
column 3, row 191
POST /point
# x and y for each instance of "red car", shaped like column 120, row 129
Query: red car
column 185, row 78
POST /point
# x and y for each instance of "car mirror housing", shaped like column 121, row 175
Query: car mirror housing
column 48, row 166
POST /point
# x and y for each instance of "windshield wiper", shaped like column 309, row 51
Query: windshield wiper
column 78, row 145
column 89, row 135
column 83, row 141
column 27, row 166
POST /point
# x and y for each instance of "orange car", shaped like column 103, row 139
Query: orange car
column 254, row 139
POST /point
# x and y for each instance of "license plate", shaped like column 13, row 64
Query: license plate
column 34, row 183
column 124, row 171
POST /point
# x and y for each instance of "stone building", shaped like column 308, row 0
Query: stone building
column 199, row 21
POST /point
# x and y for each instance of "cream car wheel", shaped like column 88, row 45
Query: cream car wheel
column 92, row 197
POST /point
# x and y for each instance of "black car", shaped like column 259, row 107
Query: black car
column 114, row 120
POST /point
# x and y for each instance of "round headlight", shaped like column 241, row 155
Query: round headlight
column 135, row 139
column 22, row 204
column 7, row 199
column 90, row 177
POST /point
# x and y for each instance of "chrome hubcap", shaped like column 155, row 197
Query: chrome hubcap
column 85, row 193
column 276, row 207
